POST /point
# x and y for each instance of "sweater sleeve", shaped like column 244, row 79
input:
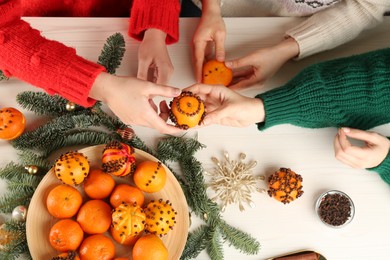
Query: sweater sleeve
column 352, row 91
column 158, row 14
column 47, row 64
column 383, row 169
column 338, row 24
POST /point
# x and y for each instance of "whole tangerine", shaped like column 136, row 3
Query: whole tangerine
column 94, row 217
column 96, row 247
column 126, row 193
column 187, row 110
column 118, row 159
column 216, row 73
column 71, row 168
column 98, row 184
column 12, row 123
column 150, row 176
column 150, row 247
column 70, row 255
column 66, row 235
column 63, row 201
column 285, row 185
column 123, row 239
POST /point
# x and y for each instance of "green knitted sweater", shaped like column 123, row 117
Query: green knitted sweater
column 345, row 92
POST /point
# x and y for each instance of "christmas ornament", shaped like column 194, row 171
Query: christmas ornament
column 19, row 213
column 126, row 133
column 70, row 106
column 118, row 159
column 233, row 182
column 31, row 169
column 5, row 236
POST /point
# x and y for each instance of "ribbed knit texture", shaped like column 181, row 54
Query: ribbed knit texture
column 149, row 14
column 346, row 92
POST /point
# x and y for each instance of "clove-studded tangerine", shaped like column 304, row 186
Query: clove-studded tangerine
column 118, row 159
column 72, row 168
column 150, row 176
column 187, row 110
column 160, row 217
column 12, row 123
column 216, row 73
column 285, row 185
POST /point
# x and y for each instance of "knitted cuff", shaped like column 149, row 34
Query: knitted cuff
column 50, row 65
column 158, row 14
column 9, row 11
column 383, row 169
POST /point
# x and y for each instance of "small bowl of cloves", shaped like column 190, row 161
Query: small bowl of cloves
column 335, row 208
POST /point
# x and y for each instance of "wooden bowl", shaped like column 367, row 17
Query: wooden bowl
column 39, row 221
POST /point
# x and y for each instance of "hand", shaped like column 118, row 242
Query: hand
column 131, row 99
column 262, row 64
column 226, row 107
column 153, row 55
column 211, row 30
column 371, row 155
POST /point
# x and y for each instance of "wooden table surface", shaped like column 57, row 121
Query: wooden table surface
column 279, row 228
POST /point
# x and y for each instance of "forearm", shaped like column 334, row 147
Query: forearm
column 157, row 14
column 211, row 7
column 50, row 65
column 337, row 25
column 352, row 91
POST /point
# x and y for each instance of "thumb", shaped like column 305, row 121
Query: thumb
column 238, row 63
column 164, row 91
column 359, row 134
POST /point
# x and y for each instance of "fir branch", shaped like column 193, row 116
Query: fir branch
column 214, row 247
column 26, row 182
column 29, row 158
column 239, row 239
column 196, row 242
column 112, row 53
column 136, row 142
column 18, row 245
column 2, row 76
column 11, row 170
column 14, row 198
column 42, row 103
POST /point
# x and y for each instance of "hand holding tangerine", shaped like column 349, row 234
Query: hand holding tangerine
column 187, row 110
column 216, row 73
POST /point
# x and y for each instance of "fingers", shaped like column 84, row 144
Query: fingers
column 220, row 46
column 366, row 136
column 143, row 68
column 199, row 54
column 162, row 90
column 163, row 73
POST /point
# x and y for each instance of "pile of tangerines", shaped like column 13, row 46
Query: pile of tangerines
column 87, row 227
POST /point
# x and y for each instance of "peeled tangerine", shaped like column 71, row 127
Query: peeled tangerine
column 216, row 73
column 285, row 185
column 187, row 110
column 72, row 168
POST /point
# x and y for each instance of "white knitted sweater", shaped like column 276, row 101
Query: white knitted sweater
column 329, row 23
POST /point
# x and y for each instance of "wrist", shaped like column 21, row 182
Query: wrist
column 259, row 112
column 211, row 7
column 289, row 48
column 97, row 91
column 155, row 34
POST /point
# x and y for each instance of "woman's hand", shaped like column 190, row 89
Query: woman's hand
column 227, row 107
column 211, row 30
column 153, row 55
column 131, row 99
column 370, row 155
column 262, row 64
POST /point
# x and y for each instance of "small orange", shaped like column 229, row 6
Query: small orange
column 121, row 258
column 97, row 247
column 66, row 235
column 63, row 201
column 150, row 247
column 71, row 168
column 122, row 238
column 150, row 176
column 127, row 194
column 216, row 73
column 187, row 110
column 12, row 123
column 285, row 185
column 70, row 255
column 98, row 184
column 94, row 217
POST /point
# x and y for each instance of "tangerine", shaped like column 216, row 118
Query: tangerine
column 97, row 247
column 123, row 239
column 94, row 217
column 285, row 185
column 12, row 123
column 149, row 247
column 150, row 176
column 187, row 110
column 125, row 193
column 63, row 201
column 118, row 159
column 71, row 255
column 216, row 73
column 98, row 184
column 66, row 235
column 71, row 168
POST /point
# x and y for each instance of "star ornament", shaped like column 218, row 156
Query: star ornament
column 233, row 181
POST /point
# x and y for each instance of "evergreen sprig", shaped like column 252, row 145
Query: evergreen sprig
column 112, row 53
column 200, row 236
column 18, row 245
column 2, row 76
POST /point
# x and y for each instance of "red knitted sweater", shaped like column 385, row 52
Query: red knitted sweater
column 51, row 65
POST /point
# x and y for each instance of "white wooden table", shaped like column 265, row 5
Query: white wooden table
column 279, row 228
